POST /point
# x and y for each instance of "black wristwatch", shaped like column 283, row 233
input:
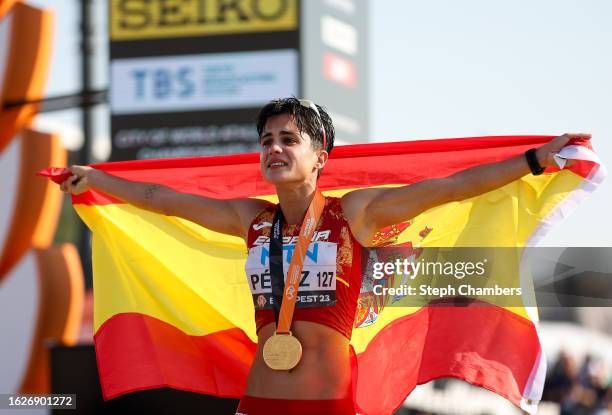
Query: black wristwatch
column 534, row 164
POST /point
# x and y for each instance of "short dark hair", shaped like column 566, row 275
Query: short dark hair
column 306, row 120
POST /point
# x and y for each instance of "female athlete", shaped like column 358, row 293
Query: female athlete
column 303, row 362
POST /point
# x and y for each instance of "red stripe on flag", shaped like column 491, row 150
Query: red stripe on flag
column 352, row 166
column 486, row 346
column 137, row 352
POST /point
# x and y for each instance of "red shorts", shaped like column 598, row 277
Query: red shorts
column 250, row 405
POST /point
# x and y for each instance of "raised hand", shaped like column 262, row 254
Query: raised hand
column 546, row 152
column 78, row 182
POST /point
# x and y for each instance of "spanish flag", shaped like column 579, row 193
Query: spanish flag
column 173, row 306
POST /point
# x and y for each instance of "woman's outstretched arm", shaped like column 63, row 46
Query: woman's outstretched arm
column 229, row 216
column 369, row 210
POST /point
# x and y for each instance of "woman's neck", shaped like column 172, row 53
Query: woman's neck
column 294, row 201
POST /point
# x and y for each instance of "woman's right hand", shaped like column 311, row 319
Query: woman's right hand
column 79, row 181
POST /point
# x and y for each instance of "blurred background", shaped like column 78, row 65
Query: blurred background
column 86, row 81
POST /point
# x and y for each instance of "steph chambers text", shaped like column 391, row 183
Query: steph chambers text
column 448, row 291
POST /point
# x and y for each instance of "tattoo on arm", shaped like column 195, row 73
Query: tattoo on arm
column 150, row 190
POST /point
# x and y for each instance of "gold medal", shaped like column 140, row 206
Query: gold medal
column 282, row 351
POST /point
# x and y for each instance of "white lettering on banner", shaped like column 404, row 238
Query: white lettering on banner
column 192, row 151
column 223, row 80
column 187, row 135
column 339, row 35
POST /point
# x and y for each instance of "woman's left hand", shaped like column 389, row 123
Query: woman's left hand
column 547, row 151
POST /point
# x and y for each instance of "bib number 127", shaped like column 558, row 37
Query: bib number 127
column 325, row 278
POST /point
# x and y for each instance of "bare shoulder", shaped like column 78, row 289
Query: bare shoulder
column 355, row 206
column 356, row 202
column 247, row 210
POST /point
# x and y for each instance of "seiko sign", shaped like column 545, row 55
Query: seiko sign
column 137, row 19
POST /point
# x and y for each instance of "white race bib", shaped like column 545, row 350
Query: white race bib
column 318, row 283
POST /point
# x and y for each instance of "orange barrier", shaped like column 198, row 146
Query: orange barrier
column 38, row 202
column 59, row 313
column 5, row 6
column 26, row 66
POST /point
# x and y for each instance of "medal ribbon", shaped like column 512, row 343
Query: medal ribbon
column 285, row 294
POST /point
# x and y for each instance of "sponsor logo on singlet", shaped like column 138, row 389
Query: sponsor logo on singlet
column 318, row 236
column 259, row 226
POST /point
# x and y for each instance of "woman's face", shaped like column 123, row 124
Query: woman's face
column 286, row 155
